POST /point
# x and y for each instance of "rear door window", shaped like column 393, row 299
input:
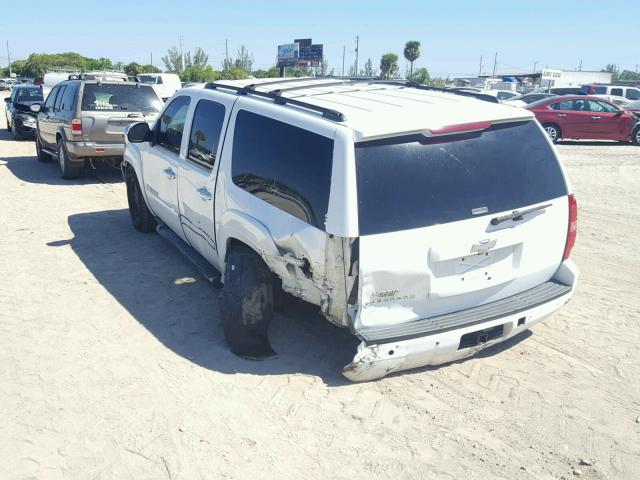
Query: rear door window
column 419, row 182
column 113, row 97
column 51, row 98
column 601, row 90
column 617, row 92
column 566, row 105
column 284, row 165
column 205, row 132
column 171, row 125
column 58, row 103
column 68, row 98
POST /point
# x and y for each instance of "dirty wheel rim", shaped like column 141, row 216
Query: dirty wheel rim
column 552, row 132
column 638, row 136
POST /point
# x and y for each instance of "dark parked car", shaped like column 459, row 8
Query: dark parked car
column 20, row 119
column 585, row 117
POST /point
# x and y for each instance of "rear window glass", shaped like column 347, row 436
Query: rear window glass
column 29, row 95
column 130, row 98
column 413, row 184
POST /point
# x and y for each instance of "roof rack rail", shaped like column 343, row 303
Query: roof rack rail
column 420, row 86
column 279, row 99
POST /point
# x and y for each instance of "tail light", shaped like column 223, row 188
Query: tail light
column 76, row 127
column 572, row 230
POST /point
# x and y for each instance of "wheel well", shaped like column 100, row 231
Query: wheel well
column 235, row 243
column 58, row 137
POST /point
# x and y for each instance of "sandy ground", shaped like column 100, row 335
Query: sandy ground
column 113, row 366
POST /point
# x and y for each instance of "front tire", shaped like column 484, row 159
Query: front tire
column 553, row 131
column 635, row 136
column 43, row 156
column 67, row 170
column 246, row 306
column 17, row 133
column 141, row 216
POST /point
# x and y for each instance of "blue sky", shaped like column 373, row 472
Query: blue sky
column 454, row 35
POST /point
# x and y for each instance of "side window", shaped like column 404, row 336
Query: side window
column 596, row 106
column 286, row 166
column 601, row 90
column 205, row 132
column 565, row 105
column 171, row 125
column 58, row 103
column 580, row 106
column 68, row 98
column 51, row 98
column 159, row 81
column 617, row 91
column 633, row 94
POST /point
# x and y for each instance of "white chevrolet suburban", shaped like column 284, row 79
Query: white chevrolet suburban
column 430, row 223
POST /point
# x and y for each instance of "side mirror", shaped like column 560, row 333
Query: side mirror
column 35, row 107
column 139, row 132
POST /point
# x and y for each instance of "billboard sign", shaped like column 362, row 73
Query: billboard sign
column 311, row 55
column 288, row 54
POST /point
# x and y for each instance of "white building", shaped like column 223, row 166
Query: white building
column 572, row 78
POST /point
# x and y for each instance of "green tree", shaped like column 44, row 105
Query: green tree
column 369, row 71
column 132, row 69
column 150, row 69
column 199, row 74
column 243, row 61
column 421, row 75
column 412, row 52
column 200, row 58
column 613, row 69
column 388, row 65
column 324, row 67
column 273, row 72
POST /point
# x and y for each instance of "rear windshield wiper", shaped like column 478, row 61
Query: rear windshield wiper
column 517, row 214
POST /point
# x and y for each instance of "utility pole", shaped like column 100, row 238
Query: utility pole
column 151, row 61
column 9, row 58
column 495, row 64
column 357, row 42
column 480, row 71
column 344, row 49
column 181, row 56
column 226, row 52
column 580, row 66
column 535, row 65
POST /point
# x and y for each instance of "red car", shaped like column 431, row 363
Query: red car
column 585, row 117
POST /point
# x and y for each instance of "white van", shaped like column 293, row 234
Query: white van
column 165, row 84
column 51, row 79
column 631, row 93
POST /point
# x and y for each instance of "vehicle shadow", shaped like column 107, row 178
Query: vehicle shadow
column 167, row 295
column 28, row 169
column 591, row 143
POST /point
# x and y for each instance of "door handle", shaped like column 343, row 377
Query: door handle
column 562, row 115
column 204, row 193
column 596, row 118
column 170, row 174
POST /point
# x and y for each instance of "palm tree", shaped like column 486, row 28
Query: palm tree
column 388, row 65
column 412, row 51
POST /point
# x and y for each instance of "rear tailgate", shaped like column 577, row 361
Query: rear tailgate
column 428, row 246
column 108, row 109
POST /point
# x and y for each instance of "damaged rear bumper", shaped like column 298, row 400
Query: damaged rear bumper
column 446, row 341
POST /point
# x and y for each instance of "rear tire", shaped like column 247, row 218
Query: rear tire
column 246, row 305
column 8, row 124
column 141, row 216
column 635, row 136
column 68, row 170
column 43, row 156
column 553, row 131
